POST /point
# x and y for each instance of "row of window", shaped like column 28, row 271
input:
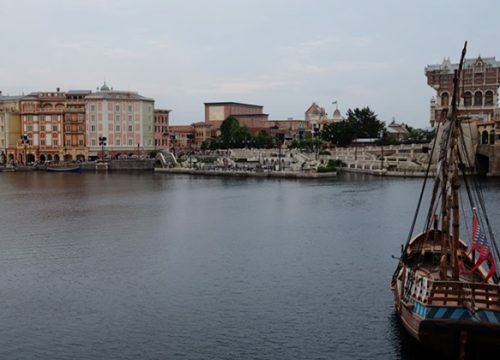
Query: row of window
column 117, row 142
column 117, row 108
column 117, row 118
column 478, row 98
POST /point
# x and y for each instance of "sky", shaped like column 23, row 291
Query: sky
column 282, row 54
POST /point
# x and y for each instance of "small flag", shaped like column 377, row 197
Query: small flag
column 480, row 244
column 334, row 102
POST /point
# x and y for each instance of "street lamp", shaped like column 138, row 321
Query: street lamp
column 172, row 140
column 381, row 136
column 102, row 143
column 25, row 141
column 190, row 138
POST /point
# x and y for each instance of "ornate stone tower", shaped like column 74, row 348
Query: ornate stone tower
column 479, row 89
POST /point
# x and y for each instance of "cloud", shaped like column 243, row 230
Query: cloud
column 74, row 45
column 309, row 69
column 238, row 87
column 99, row 50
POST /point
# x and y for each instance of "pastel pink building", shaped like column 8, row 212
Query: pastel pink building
column 124, row 118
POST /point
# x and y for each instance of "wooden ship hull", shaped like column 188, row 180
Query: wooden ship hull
column 451, row 317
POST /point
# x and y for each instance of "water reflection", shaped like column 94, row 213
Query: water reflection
column 149, row 266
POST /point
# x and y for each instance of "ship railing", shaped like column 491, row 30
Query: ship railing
column 459, row 293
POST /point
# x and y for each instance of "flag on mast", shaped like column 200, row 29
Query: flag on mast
column 480, row 244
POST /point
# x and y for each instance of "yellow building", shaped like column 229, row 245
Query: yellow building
column 10, row 127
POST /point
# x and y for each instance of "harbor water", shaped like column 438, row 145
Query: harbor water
column 161, row 266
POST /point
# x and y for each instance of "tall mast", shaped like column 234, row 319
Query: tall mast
column 454, row 163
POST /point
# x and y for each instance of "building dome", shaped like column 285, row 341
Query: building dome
column 104, row 87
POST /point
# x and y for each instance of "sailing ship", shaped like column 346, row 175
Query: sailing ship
column 446, row 287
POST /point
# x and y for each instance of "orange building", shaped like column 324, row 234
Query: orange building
column 161, row 123
column 75, row 147
column 42, row 127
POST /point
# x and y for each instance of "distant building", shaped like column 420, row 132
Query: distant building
column 10, row 127
column 396, row 132
column 316, row 117
column 248, row 115
column 181, row 137
column 161, row 134
column 124, row 118
column 75, row 147
column 479, row 83
column 42, row 116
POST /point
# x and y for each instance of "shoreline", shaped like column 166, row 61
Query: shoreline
column 243, row 173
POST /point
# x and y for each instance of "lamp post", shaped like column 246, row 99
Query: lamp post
column 25, row 141
column 172, row 140
column 315, row 136
column 381, row 136
column 190, row 138
column 102, row 143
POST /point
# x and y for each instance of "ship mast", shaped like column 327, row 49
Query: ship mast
column 451, row 185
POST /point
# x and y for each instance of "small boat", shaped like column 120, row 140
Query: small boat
column 64, row 168
column 446, row 285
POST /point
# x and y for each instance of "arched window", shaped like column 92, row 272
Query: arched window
column 478, row 98
column 468, row 99
column 492, row 137
column 488, row 98
column 484, row 137
column 444, row 99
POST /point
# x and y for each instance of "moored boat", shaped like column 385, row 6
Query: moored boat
column 445, row 287
column 64, row 168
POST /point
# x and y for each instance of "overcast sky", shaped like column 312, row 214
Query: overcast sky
column 282, row 54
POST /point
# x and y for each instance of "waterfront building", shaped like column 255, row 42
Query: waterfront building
column 161, row 133
column 10, row 127
column 124, row 118
column 202, row 131
column 75, row 147
column 316, row 117
column 41, row 127
column 251, row 116
column 396, row 132
column 181, row 138
column 480, row 80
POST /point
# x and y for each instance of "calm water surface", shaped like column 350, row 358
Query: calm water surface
column 144, row 266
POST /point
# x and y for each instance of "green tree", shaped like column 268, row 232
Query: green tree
column 263, row 140
column 228, row 129
column 365, row 123
column 340, row 134
column 418, row 135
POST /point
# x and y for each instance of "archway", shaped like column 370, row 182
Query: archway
column 478, row 98
column 488, row 98
column 484, row 137
column 43, row 158
column 49, row 157
column 56, row 158
column 482, row 165
column 492, row 137
column 68, row 158
column 80, row 157
column 11, row 158
column 444, row 99
column 30, row 158
column 468, row 99
column 3, row 158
